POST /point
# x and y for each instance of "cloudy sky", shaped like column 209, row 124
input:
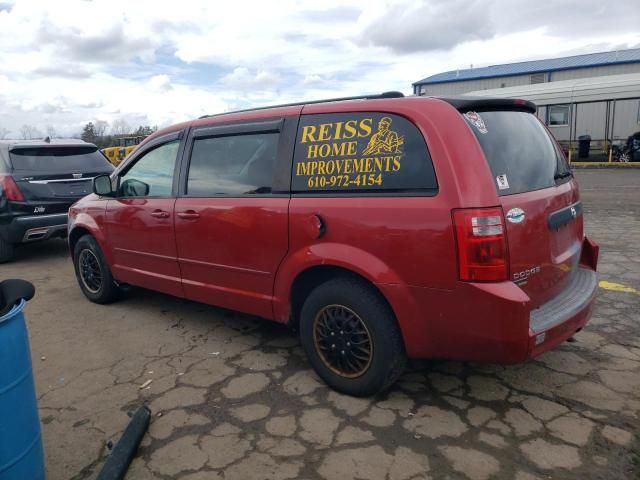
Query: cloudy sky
column 66, row 62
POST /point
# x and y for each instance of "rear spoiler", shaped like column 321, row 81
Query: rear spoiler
column 85, row 147
column 487, row 104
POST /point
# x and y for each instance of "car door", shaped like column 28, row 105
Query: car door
column 139, row 221
column 232, row 215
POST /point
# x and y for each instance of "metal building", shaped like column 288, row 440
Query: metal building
column 596, row 94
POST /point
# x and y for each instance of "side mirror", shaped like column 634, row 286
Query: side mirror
column 134, row 188
column 102, row 186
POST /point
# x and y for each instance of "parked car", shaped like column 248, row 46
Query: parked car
column 629, row 151
column 381, row 227
column 39, row 180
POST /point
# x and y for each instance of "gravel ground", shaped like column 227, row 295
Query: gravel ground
column 233, row 397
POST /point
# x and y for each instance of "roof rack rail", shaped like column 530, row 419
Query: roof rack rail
column 391, row 94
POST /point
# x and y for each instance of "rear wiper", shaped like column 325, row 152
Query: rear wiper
column 566, row 174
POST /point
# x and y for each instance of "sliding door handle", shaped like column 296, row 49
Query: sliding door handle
column 188, row 215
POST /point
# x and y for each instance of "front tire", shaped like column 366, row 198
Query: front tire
column 351, row 337
column 92, row 271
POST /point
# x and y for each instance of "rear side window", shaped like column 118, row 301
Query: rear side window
column 232, row 165
column 361, row 152
column 60, row 159
column 521, row 154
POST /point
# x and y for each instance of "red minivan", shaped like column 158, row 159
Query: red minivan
column 382, row 227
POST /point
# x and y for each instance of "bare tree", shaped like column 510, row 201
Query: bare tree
column 3, row 133
column 120, row 127
column 51, row 131
column 100, row 127
column 29, row 132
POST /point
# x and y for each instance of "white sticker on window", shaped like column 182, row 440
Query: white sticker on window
column 476, row 120
column 502, row 182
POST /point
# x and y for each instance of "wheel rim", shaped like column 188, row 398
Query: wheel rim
column 90, row 271
column 342, row 341
column 624, row 157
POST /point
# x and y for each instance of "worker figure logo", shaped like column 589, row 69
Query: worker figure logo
column 384, row 140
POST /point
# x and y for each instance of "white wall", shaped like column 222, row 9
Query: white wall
column 595, row 72
column 458, row 88
column 591, row 119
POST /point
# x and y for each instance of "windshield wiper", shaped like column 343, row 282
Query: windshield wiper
column 566, row 174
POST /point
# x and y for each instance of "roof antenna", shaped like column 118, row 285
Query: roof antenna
column 47, row 139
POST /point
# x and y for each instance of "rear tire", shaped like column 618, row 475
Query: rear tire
column 7, row 251
column 92, row 271
column 351, row 337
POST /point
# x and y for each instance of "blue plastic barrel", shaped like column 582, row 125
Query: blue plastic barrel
column 21, row 453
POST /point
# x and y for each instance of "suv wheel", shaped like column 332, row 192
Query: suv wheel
column 351, row 337
column 92, row 271
column 6, row 251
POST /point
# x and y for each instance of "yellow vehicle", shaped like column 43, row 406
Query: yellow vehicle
column 126, row 145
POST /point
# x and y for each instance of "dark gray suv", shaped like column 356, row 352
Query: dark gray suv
column 39, row 181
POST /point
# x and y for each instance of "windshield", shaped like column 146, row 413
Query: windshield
column 60, row 159
column 521, row 153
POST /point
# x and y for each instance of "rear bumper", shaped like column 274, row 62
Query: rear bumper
column 29, row 228
column 564, row 314
column 493, row 322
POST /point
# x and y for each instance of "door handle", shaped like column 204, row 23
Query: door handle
column 188, row 215
column 160, row 214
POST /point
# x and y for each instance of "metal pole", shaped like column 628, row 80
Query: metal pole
column 606, row 125
column 613, row 121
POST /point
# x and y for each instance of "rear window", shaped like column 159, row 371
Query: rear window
column 60, row 159
column 521, row 154
column 361, row 152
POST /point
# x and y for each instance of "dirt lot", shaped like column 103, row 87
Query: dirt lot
column 233, row 397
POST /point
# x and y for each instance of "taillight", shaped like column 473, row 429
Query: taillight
column 482, row 245
column 10, row 189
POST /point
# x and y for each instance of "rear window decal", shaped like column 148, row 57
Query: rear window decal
column 502, row 182
column 360, row 151
column 475, row 119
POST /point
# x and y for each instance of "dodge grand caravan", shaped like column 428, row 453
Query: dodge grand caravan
column 381, row 227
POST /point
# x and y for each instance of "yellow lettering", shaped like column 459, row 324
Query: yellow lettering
column 312, row 168
column 350, row 129
column 307, row 133
column 365, row 127
column 301, row 168
column 339, row 164
column 378, row 162
column 312, row 151
column 324, row 132
column 331, row 167
column 347, row 165
column 321, row 165
column 338, row 130
column 324, row 150
column 338, row 149
column 358, row 165
column 368, row 165
column 352, row 148
column 396, row 163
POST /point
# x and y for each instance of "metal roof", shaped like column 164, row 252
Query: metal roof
column 579, row 90
column 615, row 57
